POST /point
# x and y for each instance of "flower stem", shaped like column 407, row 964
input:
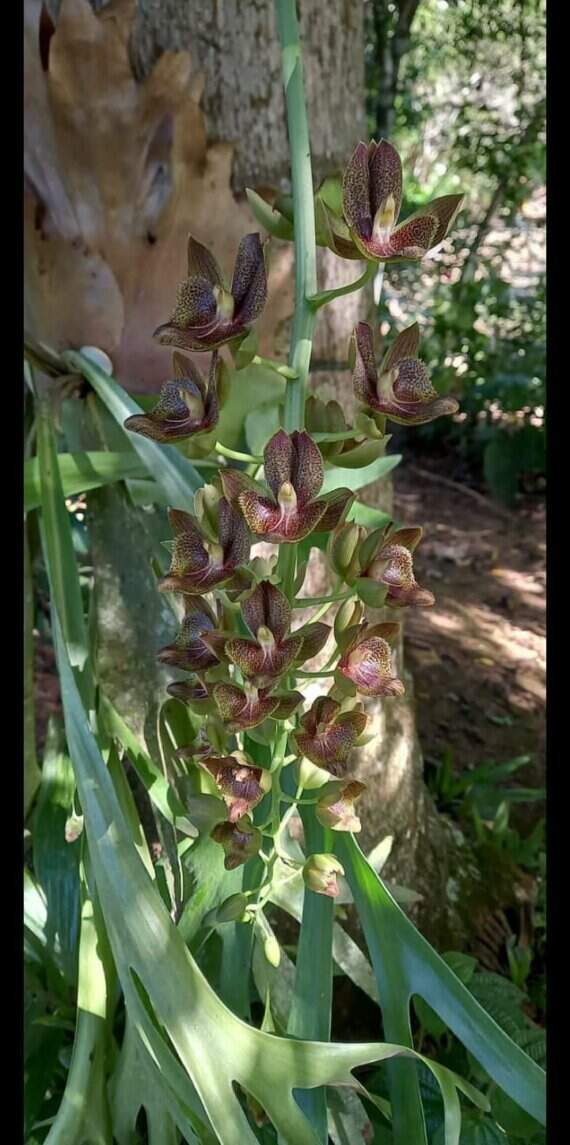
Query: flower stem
column 277, row 367
column 235, row 455
column 318, row 300
column 303, row 210
column 311, row 601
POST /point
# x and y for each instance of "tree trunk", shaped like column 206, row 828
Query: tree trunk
column 391, row 27
column 146, row 121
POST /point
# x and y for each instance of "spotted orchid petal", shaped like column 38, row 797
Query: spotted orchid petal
column 367, row 661
column 402, row 391
column 267, row 607
column 314, row 637
column 198, row 563
column 190, row 651
column 371, row 200
column 391, row 563
column 263, row 660
column 241, row 784
column 186, row 406
column 240, row 841
column 243, row 708
column 293, row 469
column 328, row 734
column 207, row 314
column 249, row 282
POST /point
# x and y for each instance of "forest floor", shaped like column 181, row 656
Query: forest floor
column 478, row 656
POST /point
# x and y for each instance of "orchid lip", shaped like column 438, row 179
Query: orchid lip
column 287, row 498
column 225, row 303
column 215, row 553
column 265, row 638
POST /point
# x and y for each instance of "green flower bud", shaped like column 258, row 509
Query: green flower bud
column 320, row 874
column 272, row 950
column 232, row 909
column 349, row 614
column 343, row 550
column 206, row 501
column 73, row 828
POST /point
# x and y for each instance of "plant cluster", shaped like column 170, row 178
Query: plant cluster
column 255, row 792
column 239, row 648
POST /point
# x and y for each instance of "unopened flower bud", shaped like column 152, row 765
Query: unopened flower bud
column 272, row 950
column 73, row 828
column 206, row 500
column 232, row 909
column 320, row 874
column 349, row 614
column 343, row 549
column 310, row 777
column 336, row 809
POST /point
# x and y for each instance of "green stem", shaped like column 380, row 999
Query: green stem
column 311, row 1008
column 310, row 1015
column 235, row 455
column 277, row 367
column 311, row 601
column 303, row 210
column 318, row 300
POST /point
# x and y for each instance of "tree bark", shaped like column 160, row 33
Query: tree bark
column 391, row 25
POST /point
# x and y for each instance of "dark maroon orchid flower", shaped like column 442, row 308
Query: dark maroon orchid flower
column 241, row 784
column 271, row 650
column 194, row 693
column 240, row 841
column 335, row 809
column 367, row 660
column 329, row 734
column 190, row 651
column 198, row 563
column 243, row 708
column 187, row 405
column 371, row 200
column 208, row 313
column 294, row 472
column 400, row 388
column 391, row 563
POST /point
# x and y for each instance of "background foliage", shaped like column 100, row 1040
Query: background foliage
column 468, row 110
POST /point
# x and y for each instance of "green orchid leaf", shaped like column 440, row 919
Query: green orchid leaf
column 32, row 774
column 405, row 965
column 58, row 543
column 361, row 455
column 170, row 1002
column 336, row 478
column 160, row 792
column 80, row 472
column 271, row 220
column 56, row 862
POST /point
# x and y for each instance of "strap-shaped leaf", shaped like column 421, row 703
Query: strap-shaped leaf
column 169, row 1000
column 405, row 964
column 358, row 478
column 79, row 472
